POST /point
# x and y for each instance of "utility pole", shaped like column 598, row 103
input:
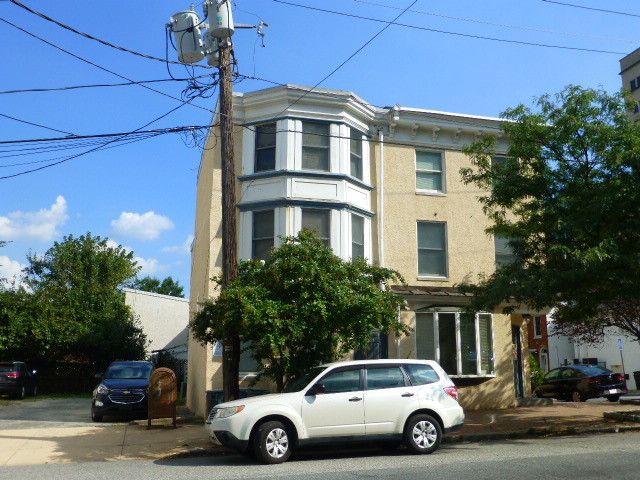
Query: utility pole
column 216, row 45
column 231, row 346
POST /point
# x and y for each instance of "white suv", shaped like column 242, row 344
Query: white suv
column 413, row 401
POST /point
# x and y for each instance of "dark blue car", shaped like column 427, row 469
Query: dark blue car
column 123, row 391
column 17, row 379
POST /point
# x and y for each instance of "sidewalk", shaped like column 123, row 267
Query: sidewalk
column 35, row 443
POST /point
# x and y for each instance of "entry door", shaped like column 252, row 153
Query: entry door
column 517, row 361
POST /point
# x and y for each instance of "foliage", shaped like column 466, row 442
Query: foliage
column 303, row 307
column 566, row 198
column 168, row 286
column 72, row 306
column 537, row 374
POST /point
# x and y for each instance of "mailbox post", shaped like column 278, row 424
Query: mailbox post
column 163, row 395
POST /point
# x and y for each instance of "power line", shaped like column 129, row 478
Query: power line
column 101, row 67
column 483, row 22
column 91, row 37
column 467, row 35
column 591, row 8
column 388, row 24
column 35, row 124
column 75, row 87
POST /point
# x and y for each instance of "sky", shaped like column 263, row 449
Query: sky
column 139, row 191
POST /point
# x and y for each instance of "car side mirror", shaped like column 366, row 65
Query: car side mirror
column 316, row 389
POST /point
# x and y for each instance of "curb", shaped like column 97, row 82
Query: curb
column 538, row 432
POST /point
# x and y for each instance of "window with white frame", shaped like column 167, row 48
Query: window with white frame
column 432, row 249
column 429, row 172
column 262, row 239
column 357, row 236
column 504, row 251
column 315, row 146
column 265, row 157
column 318, row 221
column 461, row 343
column 248, row 364
column 355, row 167
column 537, row 327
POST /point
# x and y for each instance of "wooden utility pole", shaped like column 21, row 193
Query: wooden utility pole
column 231, row 346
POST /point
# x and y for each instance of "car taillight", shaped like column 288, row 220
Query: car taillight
column 13, row 375
column 620, row 378
column 452, row 391
column 593, row 380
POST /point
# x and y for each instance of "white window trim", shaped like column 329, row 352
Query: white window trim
column 446, row 254
column 436, row 336
column 443, row 163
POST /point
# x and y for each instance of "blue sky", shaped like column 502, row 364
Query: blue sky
column 142, row 194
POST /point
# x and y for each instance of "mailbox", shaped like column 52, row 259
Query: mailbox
column 163, row 395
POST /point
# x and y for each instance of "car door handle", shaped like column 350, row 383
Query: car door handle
column 355, row 399
column 407, row 394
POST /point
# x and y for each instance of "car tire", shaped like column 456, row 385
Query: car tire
column 21, row 393
column 576, row 396
column 35, row 391
column 422, row 434
column 95, row 417
column 613, row 398
column 272, row 443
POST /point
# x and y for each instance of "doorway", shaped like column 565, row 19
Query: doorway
column 517, row 360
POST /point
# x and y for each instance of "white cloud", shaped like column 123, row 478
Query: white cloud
column 10, row 270
column 41, row 225
column 150, row 266
column 146, row 226
column 184, row 247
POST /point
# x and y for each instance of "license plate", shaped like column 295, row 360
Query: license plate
column 613, row 390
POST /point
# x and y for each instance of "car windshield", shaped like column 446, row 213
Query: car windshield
column 301, row 382
column 129, row 372
column 7, row 367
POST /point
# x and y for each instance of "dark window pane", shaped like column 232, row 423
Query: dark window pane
column 356, row 154
column 317, row 221
column 425, row 337
column 315, row 146
column 448, row 350
column 265, row 147
column 263, row 234
column 468, row 344
column 378, row 378
column 432, row 252
column 421, row 374
column 357, row 236
column 344, row 381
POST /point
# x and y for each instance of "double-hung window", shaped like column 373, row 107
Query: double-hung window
column 504, row 251
column 462, row 343
column 357, row 236
column 265, row 158
column 315, row 146
column 262, row 240
column 318, row 221
column 537, row 327
column 355, row 167
column 429, row 172
column 432, row 249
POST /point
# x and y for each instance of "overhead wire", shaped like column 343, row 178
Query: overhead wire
column 504, row 25
column 466, row 35
column 35, row 124
column 592, row 8
column 388, row 24
column 91, row 37
column 99, row 66
column 75, row 87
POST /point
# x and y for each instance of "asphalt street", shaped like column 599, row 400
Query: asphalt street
column 593, row 457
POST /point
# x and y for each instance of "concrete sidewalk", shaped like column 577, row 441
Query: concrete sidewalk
column 35, row 443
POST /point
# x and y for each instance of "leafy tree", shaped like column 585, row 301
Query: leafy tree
column 303, row 307
column 76, row 306
column 168, row 286
column 568, row 201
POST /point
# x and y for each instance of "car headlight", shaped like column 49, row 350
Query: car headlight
column 102, row 389
column 228, row 411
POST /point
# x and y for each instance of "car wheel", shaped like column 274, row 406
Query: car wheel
column 613, row 398
column 422, row 434
column 35, row 391
column 95, row 417
column 271, row 444
column 21, row 393
column 576, row 396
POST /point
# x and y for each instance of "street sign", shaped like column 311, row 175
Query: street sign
column 620, row 344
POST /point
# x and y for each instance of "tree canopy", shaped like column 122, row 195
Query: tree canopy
column 302, row 307
column 566, row 198
column 168, row 286
column 72, row 305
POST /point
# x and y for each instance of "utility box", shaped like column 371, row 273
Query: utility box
column 163, row 395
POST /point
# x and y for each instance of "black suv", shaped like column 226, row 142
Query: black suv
column 17, row 379
column 122, row 390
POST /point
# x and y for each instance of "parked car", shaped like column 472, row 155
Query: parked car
column 123, row 391
column 578, row 383
column 395, row 401
column 17, row 380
